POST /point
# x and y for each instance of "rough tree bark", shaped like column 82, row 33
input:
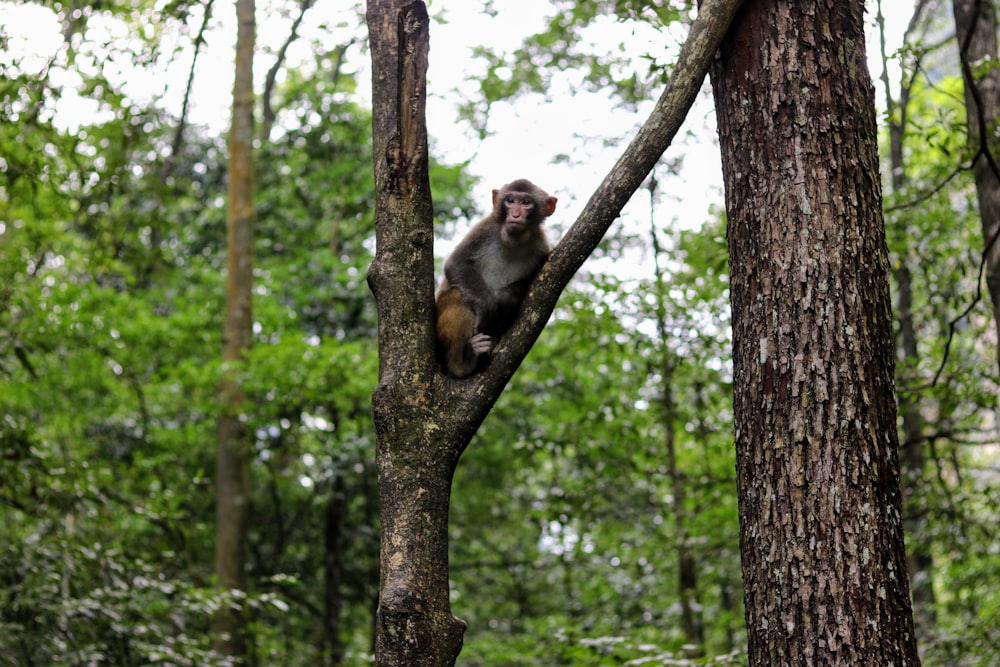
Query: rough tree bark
column 232, row 488
column 976, row 29
column 415, row 458
column 817, row 472
column 424, row 420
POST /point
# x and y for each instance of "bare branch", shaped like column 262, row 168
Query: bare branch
column 272, row 74
column 178, row 141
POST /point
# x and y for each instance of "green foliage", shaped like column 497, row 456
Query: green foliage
column 574, row 651
column 574, row 45
column 565, row 536
column 935, row 245
column 580, row 542
column 112, row 273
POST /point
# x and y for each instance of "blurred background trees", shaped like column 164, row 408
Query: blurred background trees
column 594, row 516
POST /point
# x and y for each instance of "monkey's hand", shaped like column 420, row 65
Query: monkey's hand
column 480, row 344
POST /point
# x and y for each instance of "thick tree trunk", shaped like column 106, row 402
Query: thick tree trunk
column 976, row 29
column 415, row 460
column 818, row 479
column 232, row 489
column 919, row 562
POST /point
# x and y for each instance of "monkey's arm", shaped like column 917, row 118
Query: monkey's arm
column 462, row 272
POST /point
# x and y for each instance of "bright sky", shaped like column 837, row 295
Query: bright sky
column 526, row 133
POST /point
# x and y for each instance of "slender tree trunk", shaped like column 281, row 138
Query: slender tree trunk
column 687, row 575
column 919, row 562
column 913, row 461
column 232, row 488
column 976, row 29
column 333, row 569
column 817, row 472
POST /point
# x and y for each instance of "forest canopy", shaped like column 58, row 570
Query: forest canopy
column 594, row 518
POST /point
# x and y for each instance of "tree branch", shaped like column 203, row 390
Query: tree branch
column 166, row 169
column 272, row 74
column 605, row 205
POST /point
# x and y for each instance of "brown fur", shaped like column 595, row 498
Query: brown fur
column 488, row 274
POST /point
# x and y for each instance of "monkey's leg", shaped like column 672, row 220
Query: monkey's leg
column 460, row 345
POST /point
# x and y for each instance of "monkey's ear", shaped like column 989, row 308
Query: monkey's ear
column 496, row 194
column 550, row 205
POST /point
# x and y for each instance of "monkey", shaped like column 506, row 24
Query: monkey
column 487, row 275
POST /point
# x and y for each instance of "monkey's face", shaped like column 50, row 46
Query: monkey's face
column 519, row 211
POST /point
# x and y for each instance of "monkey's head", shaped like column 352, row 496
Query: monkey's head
column 519, row 207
